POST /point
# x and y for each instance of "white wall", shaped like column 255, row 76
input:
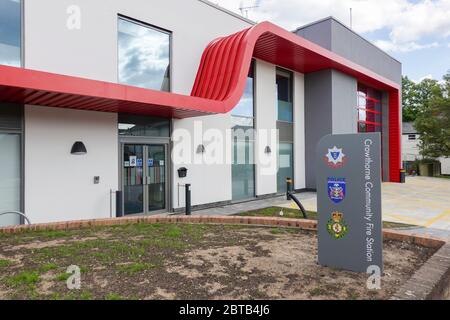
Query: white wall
column 58, row 185
column 266, row 119
column 410, row 148
column 210, row 179
column 299, row 131
column 445, row 165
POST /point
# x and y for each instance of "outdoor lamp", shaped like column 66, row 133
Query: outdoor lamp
column 267, row 150
column 201, row 148
column 78, row 148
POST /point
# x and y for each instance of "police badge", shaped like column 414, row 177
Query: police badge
column 336, row 226
column 336, row 189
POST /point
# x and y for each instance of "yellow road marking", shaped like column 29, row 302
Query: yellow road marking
column 438, row 217
column 405, row 219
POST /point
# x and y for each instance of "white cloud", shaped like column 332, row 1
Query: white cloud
column 409, row 23
column 428, row 76
column 403, row 47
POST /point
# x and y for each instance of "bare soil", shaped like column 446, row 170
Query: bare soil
column 188, row 262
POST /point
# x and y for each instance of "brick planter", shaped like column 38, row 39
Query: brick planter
column 431, row 281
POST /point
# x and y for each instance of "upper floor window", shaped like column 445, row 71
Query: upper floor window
column 144, row 55
column 369, row 109
column 10, row 32
column 411, row 137
column 284, row 96
column 245, row 107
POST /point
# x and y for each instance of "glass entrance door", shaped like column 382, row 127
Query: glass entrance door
column 156, row 177
column 144, row 175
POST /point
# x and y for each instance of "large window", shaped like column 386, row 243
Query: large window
column 369, row 109
column 10, row 32
column 243, row 168
column 284, row 96
column 144, row 55
column 285, row 152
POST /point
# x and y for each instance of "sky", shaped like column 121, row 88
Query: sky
column 415, row 32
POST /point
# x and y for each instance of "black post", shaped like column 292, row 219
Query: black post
column 288, row 188
column 188, row 199
column 402, row 175
column 119, row 212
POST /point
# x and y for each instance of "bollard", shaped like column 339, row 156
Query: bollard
column 288, row 188
column 119, row 212
column 188, row 199
column 402, row 175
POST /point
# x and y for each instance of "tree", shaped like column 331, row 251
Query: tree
column 433, row 119
column 409, row 95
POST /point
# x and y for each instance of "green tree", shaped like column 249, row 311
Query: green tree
column 433, row 119
column 409, row 95
column 416, row 96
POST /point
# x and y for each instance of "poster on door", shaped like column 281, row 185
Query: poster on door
column 133, row 161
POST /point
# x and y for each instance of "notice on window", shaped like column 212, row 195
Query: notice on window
column 285, row 161
column 133, row 161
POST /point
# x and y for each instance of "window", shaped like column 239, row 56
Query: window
column 141, row 126
column 369, row 109
column 411, row 137
column 245, row 107
column 284, row 83
column 243, row 168
column 10, row 32
column 284, row 96
column 144, row 55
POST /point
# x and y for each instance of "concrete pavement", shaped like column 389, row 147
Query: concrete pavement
column 421, row 201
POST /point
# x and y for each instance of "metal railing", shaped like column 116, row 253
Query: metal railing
column 18, row 213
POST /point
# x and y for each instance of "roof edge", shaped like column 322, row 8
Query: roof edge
column 349, row 29
column 229, row 12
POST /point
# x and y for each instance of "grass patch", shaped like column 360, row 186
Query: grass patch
column 275, row 212
column 63, row 276
column 53, row 234
column 352, row 294
column 72, row 296
column 5, row 263
column 136, row 267
column 26, row 278
column 173, row 232
column 318, row 292
column 295, row 213
column 114, row 296
column 48, row 267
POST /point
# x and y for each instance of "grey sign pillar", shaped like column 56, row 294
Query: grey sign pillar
column 349, row 201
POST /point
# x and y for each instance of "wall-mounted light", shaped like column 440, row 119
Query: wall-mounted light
column 78, row 148
column 267, row 150
column 201, row 148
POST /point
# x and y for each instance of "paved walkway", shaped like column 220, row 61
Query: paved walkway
column 253, row 205
column 421, row 201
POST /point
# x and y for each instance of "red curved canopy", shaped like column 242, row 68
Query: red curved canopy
column 218, row 87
